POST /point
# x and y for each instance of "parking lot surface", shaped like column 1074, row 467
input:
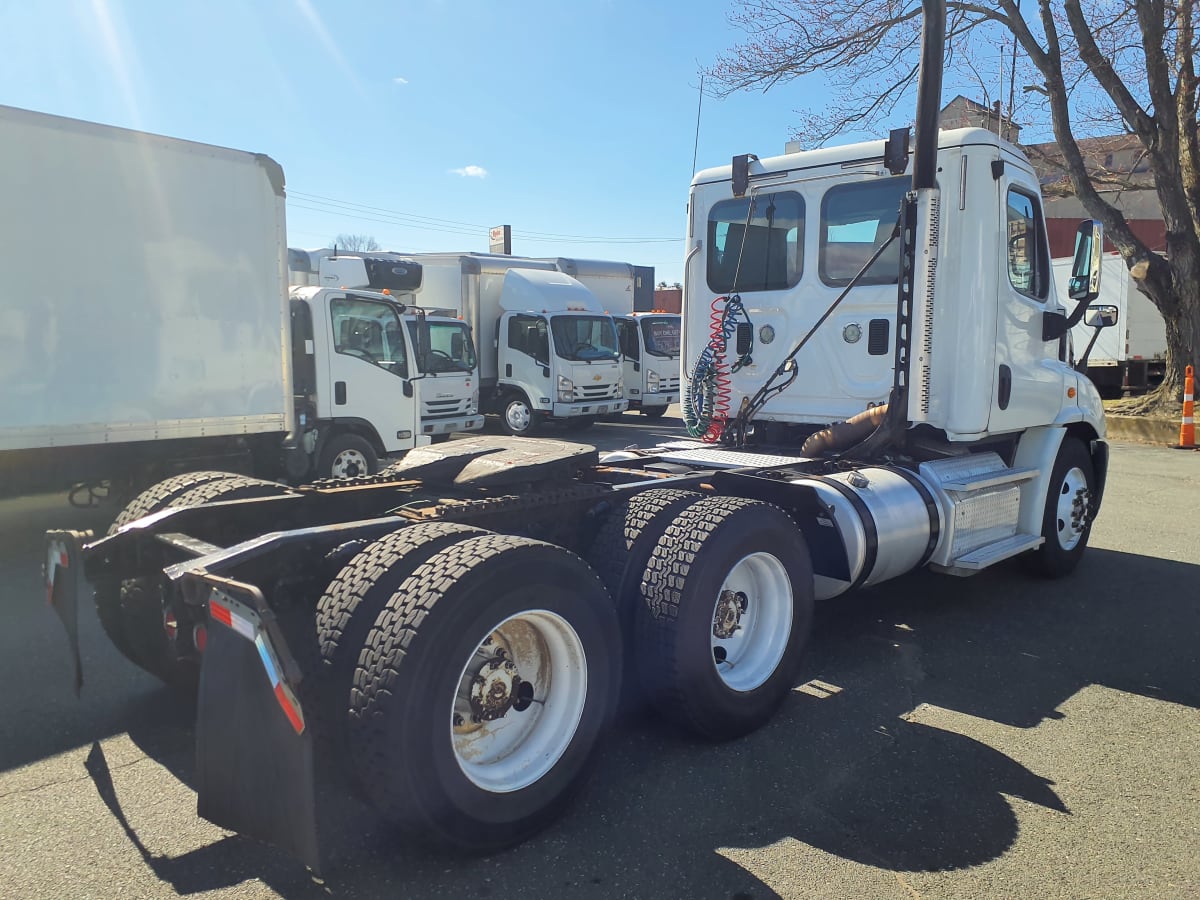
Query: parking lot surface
column 993, row 736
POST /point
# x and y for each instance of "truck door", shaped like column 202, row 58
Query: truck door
column 524, row 358
column 1028, row 380
column 629, row 340
column 369, row 369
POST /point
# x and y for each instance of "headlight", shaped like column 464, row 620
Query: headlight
column 652, row 382
column 566, row 389
column 474, row 407
column 620, row 386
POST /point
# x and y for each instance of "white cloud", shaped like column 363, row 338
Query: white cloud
column 399, row 80
column 470, row 172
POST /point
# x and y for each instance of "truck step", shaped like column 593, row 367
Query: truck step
column 990, row 554
column 990, row 479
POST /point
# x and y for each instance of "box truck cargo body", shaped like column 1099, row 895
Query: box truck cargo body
column 1130, row 358
column 146, row 327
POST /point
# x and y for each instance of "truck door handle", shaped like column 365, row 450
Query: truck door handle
column 1004, row 392
column 339, row 393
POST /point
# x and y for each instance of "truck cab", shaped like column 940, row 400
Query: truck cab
column 650, row 356
column 391, row 332
column 986, row 356
column 557, row 353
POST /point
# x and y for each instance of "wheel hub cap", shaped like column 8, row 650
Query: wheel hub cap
column 349, row 464
column 1074, row 509
column 494, row 689
column 728, row 616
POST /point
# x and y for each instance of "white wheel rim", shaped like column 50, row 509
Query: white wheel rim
column 520, row 746
column 349, row 464
column 517, row 415
column 1071, row 512
column 751, row 653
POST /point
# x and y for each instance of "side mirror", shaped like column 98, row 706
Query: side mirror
column 1085, row 270
column 408, row 388
column 1101, row 316
column 545, row 371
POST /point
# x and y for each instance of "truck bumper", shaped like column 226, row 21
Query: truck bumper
column 589, row 408
column 650, row 401
column 449, row 426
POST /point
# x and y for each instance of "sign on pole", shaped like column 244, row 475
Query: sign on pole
column 501, row 239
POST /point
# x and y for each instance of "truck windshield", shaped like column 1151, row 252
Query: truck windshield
column 450, row 347
column 584, row 337
column 661, row 336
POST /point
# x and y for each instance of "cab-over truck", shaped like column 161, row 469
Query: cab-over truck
column 453, row 633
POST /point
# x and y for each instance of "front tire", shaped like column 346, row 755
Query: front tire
column 1067, row 518
column 348, row 456
column 654, row 412
column 484, row 687
column 729, row 590
column 518, row 417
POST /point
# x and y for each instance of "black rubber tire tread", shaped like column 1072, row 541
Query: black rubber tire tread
column 1050, row 560
column 138, row 609
column 654, row 412
column 619, row 554
column 151, row 500
column 348, row 608
column 160, row 495
column 239, row 487
column 397, row 760
column 682, row 579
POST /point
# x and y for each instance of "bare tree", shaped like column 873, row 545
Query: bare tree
column 356, row 242
column 1126, row 65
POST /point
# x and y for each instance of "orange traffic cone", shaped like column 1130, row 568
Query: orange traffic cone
column 1187, row 428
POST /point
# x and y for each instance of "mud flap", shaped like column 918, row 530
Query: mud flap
column 254, row 754
column 63, row 571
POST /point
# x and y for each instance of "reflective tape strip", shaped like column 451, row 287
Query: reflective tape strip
column 220, row 613
column 289, row 710
column 268, row 663
column 230, row 619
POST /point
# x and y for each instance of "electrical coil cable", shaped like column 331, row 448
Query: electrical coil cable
column 706, row 400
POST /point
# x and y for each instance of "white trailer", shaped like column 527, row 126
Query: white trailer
column 147, row 328
column 1130, row 358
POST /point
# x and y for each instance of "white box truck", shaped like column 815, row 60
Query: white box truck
column 648, row 341
column 547, row 347
column 1131, row 358
column 171, row 342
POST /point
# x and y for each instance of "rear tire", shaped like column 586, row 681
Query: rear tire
column 352, row 602
column 132, row 612
column 1066, row 520
column 620, row 553
column 729, row 589
column 434, row 659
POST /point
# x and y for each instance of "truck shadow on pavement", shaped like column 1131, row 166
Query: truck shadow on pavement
column 844, row 768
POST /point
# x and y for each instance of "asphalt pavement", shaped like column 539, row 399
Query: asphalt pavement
column 997, row 736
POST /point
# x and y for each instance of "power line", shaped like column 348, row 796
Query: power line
column 364, row 212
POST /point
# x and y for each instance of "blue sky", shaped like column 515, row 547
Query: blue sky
column 422, row 123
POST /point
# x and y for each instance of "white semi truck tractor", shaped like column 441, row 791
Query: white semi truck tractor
column 884, row 388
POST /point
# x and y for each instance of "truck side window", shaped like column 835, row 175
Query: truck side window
column 370, row 331
column 529, row 335
column 855, row 219
column 627, row 331
column 756, row 243
column 1027, row 263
